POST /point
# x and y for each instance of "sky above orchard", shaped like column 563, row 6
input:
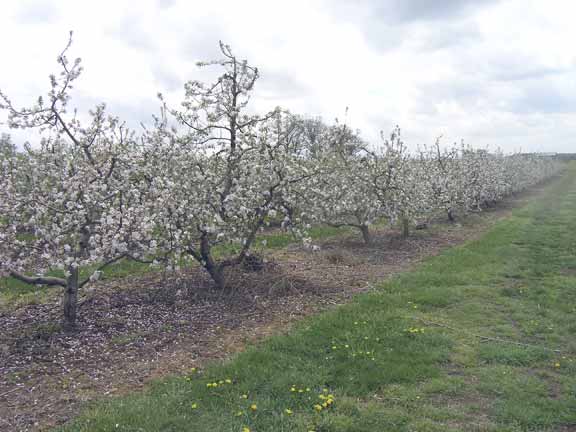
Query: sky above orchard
column 489, row 72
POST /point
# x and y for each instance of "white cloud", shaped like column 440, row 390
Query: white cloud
column 499, row 73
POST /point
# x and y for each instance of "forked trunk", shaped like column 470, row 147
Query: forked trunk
column 71, row 299
column 205, row 258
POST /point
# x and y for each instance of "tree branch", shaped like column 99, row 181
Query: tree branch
column 38, row 280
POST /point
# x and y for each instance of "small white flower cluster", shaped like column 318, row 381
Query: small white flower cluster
column 210, row 174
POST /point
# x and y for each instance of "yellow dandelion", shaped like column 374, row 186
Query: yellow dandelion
column 288, row 411
column 244, row 396
column 245, row 429
column 253, row 407
column 318, row 407
column 194, row 406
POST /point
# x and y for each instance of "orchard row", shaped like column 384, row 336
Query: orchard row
column 93, row 192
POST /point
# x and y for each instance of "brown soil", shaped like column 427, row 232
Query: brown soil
column 134, row 330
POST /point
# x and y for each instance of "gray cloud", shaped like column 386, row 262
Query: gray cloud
column 425, row 10
column 390, row 24
column 166, row 4
column 132, row 31
column 166, row 78
column 201, row 42
column 276, row 84
column 465, row 91
column 495, row 63
column 546, row 97
column 133, row 113
column 36, row 12
column 449, row 35
column 404, row 11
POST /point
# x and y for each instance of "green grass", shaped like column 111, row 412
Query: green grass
column 430, row 350
column 13, row 291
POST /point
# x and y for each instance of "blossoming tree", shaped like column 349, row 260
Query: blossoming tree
column 69, row 202
column 218, row 175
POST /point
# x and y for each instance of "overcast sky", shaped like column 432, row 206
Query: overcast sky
column 493, row 73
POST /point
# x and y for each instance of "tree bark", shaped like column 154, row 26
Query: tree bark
column 71, row 300
column 451, row 217
column 216, row 272
column 38, row 280
column 405, row 227
column 366, row 234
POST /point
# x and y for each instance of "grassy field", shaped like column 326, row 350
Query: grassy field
column 480, row 338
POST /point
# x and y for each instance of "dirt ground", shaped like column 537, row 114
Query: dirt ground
column 145, row 327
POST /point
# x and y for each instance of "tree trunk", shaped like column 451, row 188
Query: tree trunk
column 405, row 227
column 366, row 234
column 217, row 274
column 215, row 271
column 451, row 217
column 71, row 300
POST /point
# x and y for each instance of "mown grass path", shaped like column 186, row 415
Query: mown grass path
column 479, row 338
